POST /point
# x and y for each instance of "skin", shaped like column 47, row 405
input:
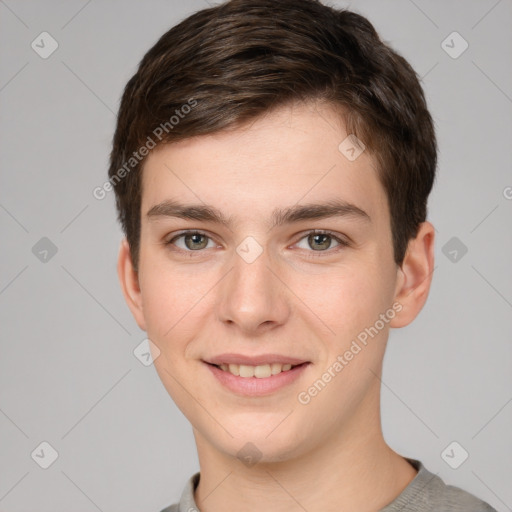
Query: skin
column 292, row 300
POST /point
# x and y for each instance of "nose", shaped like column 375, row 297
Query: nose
column 252, row 297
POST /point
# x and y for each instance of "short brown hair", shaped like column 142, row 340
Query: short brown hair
column 229, row 64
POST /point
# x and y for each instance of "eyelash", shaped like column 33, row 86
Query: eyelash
column 312, row 254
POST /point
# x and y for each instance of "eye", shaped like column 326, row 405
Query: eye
column 192, row 241
column 320, row 241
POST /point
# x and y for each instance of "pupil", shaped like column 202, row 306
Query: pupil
column 321, row 241
column 195, row 241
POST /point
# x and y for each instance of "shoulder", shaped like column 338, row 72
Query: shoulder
column 171, row 508
column 428, row 493
column 187, row 502
column 454, row 499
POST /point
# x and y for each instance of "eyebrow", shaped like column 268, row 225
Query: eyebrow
column 279, row 217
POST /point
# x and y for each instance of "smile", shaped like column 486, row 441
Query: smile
column 260, row 372
column 260, row 380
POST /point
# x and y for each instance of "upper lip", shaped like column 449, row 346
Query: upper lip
column 253, row 360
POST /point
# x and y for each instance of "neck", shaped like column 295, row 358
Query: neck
column 352, row 469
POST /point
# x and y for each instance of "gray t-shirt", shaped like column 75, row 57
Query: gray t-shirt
column 425, row 493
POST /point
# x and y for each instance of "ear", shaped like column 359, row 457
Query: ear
column 415, row 276
column 129, row 280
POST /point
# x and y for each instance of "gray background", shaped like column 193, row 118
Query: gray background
column 68, row 375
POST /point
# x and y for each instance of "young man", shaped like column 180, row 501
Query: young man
column 272, row 163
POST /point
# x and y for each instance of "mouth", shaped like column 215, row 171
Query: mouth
column 255, row 375
column 256, row 380
column 261, row 371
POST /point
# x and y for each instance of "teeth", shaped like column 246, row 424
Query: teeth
column 247, row 371
column 276, row 368
column 260, row 372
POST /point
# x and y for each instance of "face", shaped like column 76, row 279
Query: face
column 262, row 246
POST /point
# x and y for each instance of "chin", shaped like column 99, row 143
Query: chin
column 255, row 446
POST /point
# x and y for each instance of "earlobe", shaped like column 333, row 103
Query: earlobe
column 129, row 280
column 415, row 275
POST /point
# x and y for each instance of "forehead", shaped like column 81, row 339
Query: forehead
column 295, row 154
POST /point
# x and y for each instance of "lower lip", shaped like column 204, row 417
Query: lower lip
column 253, row 386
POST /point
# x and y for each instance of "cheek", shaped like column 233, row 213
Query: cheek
column 346, row 299
column 350, row 303
column 169, row 300
column 172, row 301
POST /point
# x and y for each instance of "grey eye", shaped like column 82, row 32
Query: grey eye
column 318, row 242
column 196, row 241
column 192, row 241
